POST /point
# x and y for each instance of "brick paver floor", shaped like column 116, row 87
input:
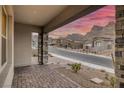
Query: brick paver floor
column 41, row 76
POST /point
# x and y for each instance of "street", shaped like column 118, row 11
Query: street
column 93, row 59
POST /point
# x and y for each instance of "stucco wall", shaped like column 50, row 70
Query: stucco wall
column 10, row 64
column 7, row 70
column 23, row 50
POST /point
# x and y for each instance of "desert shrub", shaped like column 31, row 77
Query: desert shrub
column 102, row 71
column 76, row 67
column 106, row 76
column 69, row 64
column 112, row 81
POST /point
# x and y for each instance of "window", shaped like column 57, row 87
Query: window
column 3, row 36
column 98, row 43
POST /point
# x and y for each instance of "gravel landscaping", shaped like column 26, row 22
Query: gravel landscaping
column 84, row 76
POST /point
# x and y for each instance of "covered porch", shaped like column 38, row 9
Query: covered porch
column 18, row 70
column 41, row 76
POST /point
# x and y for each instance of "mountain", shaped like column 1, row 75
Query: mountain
column 107, row 31
column 75, row 37
column 95, row 31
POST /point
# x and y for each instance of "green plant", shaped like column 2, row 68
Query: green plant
column 112, row 81
column 76, row 67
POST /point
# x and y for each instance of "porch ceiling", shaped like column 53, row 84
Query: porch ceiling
column 36, row 15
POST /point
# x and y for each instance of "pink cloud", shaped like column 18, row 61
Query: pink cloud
column 84, row 24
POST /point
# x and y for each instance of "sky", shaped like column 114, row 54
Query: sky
column 84, row 24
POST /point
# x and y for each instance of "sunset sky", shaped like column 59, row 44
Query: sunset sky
column 84, row 24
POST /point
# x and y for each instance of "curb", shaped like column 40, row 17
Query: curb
column 84, row 53
column 110, row 70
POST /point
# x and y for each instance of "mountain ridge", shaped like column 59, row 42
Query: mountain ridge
column 106, row 31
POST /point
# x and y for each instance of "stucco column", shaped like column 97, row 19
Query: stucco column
column 119, row 46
